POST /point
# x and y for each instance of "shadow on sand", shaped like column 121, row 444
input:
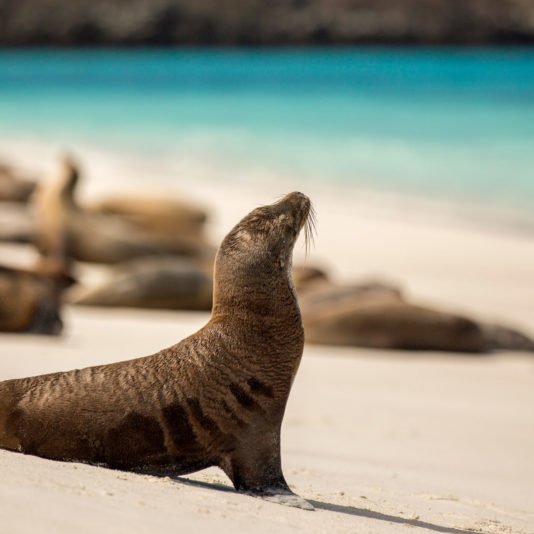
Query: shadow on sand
column 350, row 510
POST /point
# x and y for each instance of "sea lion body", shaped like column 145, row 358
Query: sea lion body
column 13, row 186
column 385, row 321
column 65, row 230
column 30, row 300
column 168, row 282
column 378, row 315
column 216, row 398
column 157, row 214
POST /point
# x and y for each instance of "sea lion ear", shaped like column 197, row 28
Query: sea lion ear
column 243, row 235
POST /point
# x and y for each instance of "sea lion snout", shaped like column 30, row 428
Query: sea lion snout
column 293, row 213
column 300, row 209
column 298, row 205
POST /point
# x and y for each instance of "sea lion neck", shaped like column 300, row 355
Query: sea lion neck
column 262, row 291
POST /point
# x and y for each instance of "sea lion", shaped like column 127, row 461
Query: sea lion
column 377, row 319
column 65, row 230
column 30, row 299
column 13, row 186
column 168, row 282
column 155, row 214
column 17, row 223
column 378, row 315
column 305, row 276
column 216, row 398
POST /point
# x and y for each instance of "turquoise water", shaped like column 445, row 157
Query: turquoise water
column 447, row 122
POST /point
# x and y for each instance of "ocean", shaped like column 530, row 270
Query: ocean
column 450, row 123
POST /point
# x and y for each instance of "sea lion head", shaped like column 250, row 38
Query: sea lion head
column 67, row 179
column 254, row 259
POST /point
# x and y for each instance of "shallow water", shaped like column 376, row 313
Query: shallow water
column 452, row 123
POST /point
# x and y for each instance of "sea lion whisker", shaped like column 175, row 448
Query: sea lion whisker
column 310, row 229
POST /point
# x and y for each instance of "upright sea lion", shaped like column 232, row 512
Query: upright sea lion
column 216, row 398
column 65, row 230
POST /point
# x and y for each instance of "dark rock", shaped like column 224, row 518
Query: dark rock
column 255, row 22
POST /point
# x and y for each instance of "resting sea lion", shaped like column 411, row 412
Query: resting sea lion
column 17, row 223
column 377, row 315
column 167, row 282
column 156, row 214
column 216, row 398
column 13, row 186
column 383, row 320
column 65, row 230
column 30, row 299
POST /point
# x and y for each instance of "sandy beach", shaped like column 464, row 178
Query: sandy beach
column 378, row 441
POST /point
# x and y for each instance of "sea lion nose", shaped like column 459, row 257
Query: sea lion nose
column 297, row 199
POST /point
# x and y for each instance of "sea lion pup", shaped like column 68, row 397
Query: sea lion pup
column 166, row 282
column 216, row 398
column 30, row 299
column 65, row 230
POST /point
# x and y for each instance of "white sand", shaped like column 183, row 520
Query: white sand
column 378, row 441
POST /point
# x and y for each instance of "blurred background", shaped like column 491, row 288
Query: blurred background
column 433, row 98
column 394, row 115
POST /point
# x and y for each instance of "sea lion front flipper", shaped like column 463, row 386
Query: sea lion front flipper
column 257, row 471
column 287, row 499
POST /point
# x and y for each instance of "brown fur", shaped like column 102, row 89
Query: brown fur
column 167, row 282
column 65, row 230
column 13, row 187
column 382, row 320
column 376, row 315
column 162, row 216
column 216, row 398
column 30, row 299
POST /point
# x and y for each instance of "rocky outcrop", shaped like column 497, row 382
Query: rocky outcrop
column 261, row 22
